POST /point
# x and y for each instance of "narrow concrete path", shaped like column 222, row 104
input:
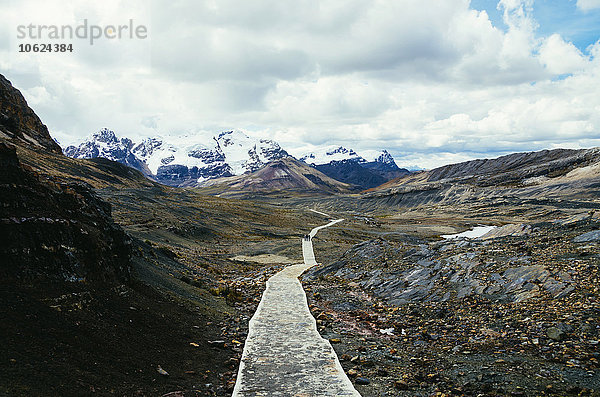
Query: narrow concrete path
column 284, row 354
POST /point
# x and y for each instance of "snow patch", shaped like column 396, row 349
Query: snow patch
column 476, row 232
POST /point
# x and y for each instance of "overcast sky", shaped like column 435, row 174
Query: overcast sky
column 431, row 81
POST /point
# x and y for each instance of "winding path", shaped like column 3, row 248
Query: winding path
column 284, row 354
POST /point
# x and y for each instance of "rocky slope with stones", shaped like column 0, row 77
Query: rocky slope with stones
column 513, row 313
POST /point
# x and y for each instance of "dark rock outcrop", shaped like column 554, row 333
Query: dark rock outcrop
column 445, row 271
column 18, row 121
column 181, row 175
column 56, row 231
column 588, row 237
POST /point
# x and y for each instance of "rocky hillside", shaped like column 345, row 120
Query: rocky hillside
column 19, row 122
column 56, row 231
column 284, row 176
column 546, row 175
column 515, row 312
column 90, row 309
column 517, row 168
column 51, row 230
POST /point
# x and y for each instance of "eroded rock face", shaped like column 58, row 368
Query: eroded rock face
column 18, row 120
column 55, row 231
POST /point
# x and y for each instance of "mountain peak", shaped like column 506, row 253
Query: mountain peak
column 385, row 157
column 104, row 135
column 147, row 147
column 342, row 150
column 279, row 176
column 328, row 154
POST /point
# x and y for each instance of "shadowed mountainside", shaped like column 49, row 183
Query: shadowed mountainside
column 57, row 231
column 88, row 306
column 365, row 175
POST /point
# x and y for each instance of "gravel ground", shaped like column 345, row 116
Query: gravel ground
column 502, row 343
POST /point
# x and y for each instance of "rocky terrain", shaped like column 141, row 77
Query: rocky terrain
column 116, row 284
column 18, row 121
column 518, row 168
column 513, row 313
column 546, row 175
column 56, row 231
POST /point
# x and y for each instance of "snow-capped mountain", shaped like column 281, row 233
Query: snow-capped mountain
column 332, row 153
column 345, row 165
column 105, row 143
column 385, row 157
column 190, row 160
column 245, row 154
column 185, row 160
column 339, row 153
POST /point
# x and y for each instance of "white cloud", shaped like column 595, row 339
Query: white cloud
column 587, row 5
column 429, row 81
column 560, row 57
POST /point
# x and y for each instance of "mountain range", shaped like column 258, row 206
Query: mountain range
column 192, row 160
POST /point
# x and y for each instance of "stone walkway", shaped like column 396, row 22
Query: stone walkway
column 284, row 355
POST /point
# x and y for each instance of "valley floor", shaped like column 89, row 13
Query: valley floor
column 420, row 316
column 379, row 296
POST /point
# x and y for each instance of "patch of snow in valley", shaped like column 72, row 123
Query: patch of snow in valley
column 476, row 232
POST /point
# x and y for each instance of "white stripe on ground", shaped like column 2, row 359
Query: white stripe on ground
column 284, row 354
column 320, row 213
